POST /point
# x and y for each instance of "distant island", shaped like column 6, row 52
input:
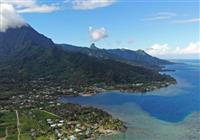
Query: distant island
column 35, row 72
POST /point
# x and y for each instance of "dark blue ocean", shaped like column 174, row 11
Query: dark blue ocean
column 171, row 104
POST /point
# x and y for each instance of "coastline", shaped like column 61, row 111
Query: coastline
column 32, row 102
column 51, row 99
column 140, row 89
column 44, row 98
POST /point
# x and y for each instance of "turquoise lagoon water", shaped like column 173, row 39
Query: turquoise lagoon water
column 170, row 113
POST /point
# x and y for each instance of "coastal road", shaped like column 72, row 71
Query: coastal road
column 18, row 129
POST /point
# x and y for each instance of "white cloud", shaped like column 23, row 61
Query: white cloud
column 192, row 20
column 39, row 9
column 27, row 6
column 193, row 48
column 172, row 18
column 9, row 18
column 91, row 4
column 10, row 9
column 159, row 49
column 97, row 34
column 161, row 16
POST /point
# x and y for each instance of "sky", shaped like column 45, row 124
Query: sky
column 163, row 28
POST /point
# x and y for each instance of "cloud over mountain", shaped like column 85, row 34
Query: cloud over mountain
column 97, row 34
column 10, row 9
column 9, row 17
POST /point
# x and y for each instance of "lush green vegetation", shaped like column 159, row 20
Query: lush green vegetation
column 32, row 61
column 8, row 123
column 12, row 137
column 29, row 120
column 137, row 58
column 82, row 122
column 25, row 136
column 41, row 67
column 34, row 72
column 88, row 115
column 34, row 119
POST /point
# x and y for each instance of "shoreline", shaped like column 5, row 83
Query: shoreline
column 135, row 90
column 41, row 99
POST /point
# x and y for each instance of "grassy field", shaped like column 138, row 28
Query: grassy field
column 35, row 120
column 8, row 126
column 29, row 121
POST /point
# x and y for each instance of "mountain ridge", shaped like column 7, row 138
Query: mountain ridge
column 138, row 57
column 37, row 64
